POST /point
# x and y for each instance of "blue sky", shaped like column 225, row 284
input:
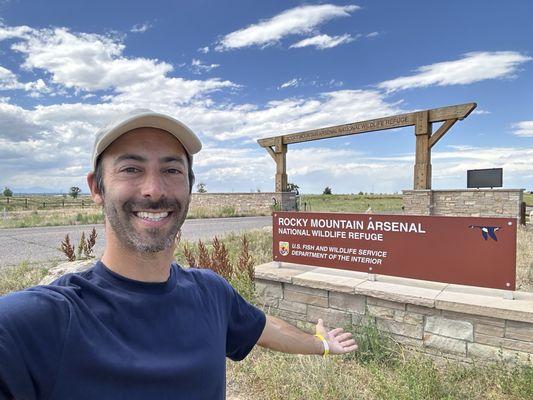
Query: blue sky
column 237, row 71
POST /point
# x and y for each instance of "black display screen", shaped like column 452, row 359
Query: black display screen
column 480, row 178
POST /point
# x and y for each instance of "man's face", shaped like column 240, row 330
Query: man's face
column 146, row 194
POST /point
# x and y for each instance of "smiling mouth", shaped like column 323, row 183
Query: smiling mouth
column 152, row 216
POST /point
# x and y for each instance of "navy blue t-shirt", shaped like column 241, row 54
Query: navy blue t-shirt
column 98, row 335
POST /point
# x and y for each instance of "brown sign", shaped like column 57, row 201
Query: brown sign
column 461, row 250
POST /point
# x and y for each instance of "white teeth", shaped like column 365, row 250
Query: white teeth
column 152, row 216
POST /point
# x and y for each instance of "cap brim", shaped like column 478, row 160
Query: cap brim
column 148, row 119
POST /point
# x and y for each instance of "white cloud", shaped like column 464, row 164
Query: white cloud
column 294, row 115
column 168, row 92
column 290, row 83
column 317, row 83
column 86, row 61
column 479, row 111
column 324, row 41
column 204, row 50
column 9, row 81
column 451, row 166
column 91, row 62
column 351, row 171
column 13, row 32
column 372, row 34
column 17, row 123
column 50, row 145
column 198, row 67
column 140, row 28
column 473, row 67
column 296, row 21
column 335, row 83
column 524, row 128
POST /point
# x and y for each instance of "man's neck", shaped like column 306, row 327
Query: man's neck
column 144, row 267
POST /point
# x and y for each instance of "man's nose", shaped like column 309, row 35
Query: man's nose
column 153, row 185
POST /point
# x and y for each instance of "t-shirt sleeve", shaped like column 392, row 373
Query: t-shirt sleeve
column 245, row 325
column 32, row 331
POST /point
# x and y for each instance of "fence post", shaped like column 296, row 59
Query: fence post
column 82, row 203
column 523, row 213
column 44, row 204
column 63, row 201
column 26, row 202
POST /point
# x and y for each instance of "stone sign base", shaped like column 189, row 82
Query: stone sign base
column 256, row 203
column 443, row 320
column 467, row 203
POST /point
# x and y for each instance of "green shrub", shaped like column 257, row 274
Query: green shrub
column 374, row 346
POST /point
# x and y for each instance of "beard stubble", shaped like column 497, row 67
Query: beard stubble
column 155, row 239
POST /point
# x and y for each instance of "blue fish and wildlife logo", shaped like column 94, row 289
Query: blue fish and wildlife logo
column 284, row 248
column 487, row 231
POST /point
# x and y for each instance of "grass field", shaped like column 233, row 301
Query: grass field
column 351, row 203
column 91, row 215
column 17, row 215
column 381, row 370
column 49, row 210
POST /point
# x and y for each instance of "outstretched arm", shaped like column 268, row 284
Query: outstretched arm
column 278, row 335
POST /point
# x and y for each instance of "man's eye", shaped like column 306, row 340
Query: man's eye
column 173, row 171
column 130, row 170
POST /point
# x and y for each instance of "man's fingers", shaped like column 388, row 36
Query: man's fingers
column 348, row 343
column 335, row 332
column 343, row 337
column 351, row 348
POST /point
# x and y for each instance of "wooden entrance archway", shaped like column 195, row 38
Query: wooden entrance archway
column 421, row 120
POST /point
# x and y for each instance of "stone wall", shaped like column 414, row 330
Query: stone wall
column 444, row 321
column 468, row 203
column 249, row 203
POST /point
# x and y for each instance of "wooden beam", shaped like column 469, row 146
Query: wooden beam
column 445, row 127
column 371, row 125
column 459, row 111
column 271, row 152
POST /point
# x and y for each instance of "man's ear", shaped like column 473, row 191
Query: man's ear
column 95, row 192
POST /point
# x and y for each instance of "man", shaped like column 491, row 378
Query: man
column 136, row 325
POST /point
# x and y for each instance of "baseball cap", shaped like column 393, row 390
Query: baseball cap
column 144, row 118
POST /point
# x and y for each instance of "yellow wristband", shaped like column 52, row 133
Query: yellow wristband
column 324, row 342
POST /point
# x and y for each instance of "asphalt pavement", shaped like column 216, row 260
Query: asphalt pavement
column 41, row 244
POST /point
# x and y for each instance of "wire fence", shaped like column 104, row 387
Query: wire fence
column 17, row 203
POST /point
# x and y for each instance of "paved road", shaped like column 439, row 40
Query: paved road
column 40, row 244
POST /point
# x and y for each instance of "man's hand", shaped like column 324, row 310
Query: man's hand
column 339, row 342
column 278, row 335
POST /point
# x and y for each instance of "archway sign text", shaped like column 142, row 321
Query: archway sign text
column 461, row 250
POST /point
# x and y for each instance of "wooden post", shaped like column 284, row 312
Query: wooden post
column 280, row 152
column 422, row 172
